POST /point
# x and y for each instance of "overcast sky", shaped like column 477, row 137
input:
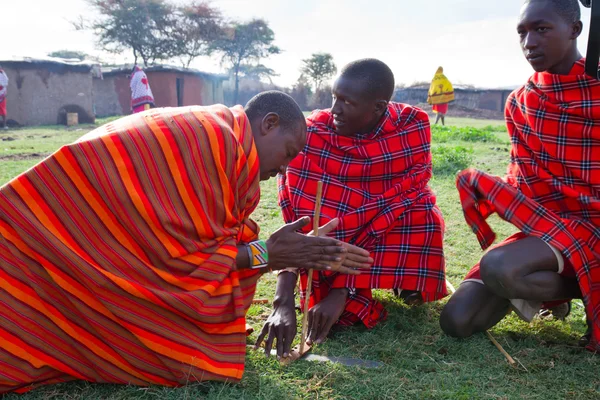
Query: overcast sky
column 475, row 41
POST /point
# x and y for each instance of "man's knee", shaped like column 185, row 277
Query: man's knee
column 497, row 273
column 455, row 322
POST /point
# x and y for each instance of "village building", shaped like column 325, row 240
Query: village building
column 171, row 87
column 42, row 91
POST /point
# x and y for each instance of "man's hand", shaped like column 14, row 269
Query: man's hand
column 325, row 314
column 289, row 249
column 280, row 325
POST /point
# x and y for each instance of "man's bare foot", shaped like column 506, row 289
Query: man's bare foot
column 325, row 314
column 585, row 339
column 410, row 297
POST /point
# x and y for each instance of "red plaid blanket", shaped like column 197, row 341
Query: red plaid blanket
column 376, row 183
column 552, row 189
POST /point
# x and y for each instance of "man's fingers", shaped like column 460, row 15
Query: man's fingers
column 314, row 328
column 263, row 332
column 359, row 258
column 290, row 333
column 320, row 251
column 354, row 264
column 318, row 266
column 269, row 342
column 297, row 225
column 348, row 271
column 352, row 249
column 328, row 227
column 279, row 342
column 324, row 331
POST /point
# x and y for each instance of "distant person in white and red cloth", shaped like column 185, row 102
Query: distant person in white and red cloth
column 3, row 92
column 141, row 94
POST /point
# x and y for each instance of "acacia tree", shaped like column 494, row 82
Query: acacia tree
column 257, row 72
column 145, row 27
column 243, row 44
column 318, row 68
column 198, row 25
column 301, row 92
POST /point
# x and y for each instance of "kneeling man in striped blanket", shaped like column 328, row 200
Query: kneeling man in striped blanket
column 130, row 256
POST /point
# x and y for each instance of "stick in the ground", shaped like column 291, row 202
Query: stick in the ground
column 489, row 335
column 499, row 347
column 316, row 218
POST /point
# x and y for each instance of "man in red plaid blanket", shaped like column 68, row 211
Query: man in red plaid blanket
column 551, row 192
column 374, row 159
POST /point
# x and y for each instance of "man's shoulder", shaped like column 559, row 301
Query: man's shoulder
column 319, row 116
column 406, row 111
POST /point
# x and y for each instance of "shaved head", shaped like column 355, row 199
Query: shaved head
column 279, row 130
column 568, row 9
column 273, row 101
column 376, row 77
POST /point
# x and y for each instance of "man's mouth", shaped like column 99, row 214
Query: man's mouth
column 534, row 57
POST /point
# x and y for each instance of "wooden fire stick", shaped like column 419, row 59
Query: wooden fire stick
column 489, row 335
column 316, row 218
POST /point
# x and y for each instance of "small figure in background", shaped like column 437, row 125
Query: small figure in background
column 141, row 94
column 440, row 94
column 3, row 93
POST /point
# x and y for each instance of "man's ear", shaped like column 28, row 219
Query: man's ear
column 269, row 123
column 576, row 30
column 381, row 106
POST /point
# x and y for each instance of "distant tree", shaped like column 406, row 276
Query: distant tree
column 145, row 27
column 243, row 44
column 301, row 92
column 256, row 72
column 318, row 68
column 198, row 25
column 69, row 54
column 321, row 99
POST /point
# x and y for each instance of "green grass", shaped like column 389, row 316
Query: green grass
column 420, row 361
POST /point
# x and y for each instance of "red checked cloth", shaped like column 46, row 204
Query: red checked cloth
column 376, row 183
column 552, row 190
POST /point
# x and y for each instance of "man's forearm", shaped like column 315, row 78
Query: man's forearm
column 286, row 283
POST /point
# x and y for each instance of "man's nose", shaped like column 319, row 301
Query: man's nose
column 530, row 41
column 336, row 109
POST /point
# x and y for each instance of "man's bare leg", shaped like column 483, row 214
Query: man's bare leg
column 437, row 118
column 472, row 308
column 526, row 269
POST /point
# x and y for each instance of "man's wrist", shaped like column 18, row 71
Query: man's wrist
column 284, row 294
column 258, row 255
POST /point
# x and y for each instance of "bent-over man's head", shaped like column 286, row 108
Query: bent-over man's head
column 279, row 130
column 361, row 94
column 548, row 31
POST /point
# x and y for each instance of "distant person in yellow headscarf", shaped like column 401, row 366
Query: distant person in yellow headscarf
column 440, row 94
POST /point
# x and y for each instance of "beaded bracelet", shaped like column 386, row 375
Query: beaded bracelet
column 258, row 254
